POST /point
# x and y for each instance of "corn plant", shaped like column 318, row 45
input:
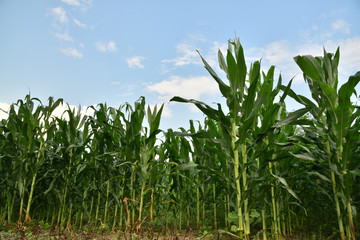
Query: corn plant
column 337, row 119
column 71, row 145
column 244, row 98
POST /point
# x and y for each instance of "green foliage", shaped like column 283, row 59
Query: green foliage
column 255, row 169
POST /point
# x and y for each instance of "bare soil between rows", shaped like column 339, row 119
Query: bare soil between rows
column 56, row 234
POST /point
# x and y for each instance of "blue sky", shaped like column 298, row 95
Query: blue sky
column 92, row 51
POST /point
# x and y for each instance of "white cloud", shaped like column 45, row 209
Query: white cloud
column 79, row 24
column 191, row 87
column 281, row 54
column 82, row 4
column 336, row 28
column 349, row 55
column 71, row 2
column 105, row 47
column 4, row 108
column 188, row 55
column 64, row 36
column 135, row 62
column 72, row 52
column 59, row 14
column 341, row 26
column 85, row 4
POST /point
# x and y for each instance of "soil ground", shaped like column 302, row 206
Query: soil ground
column 55, row 234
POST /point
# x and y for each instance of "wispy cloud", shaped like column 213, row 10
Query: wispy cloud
column 194, row 87
column 341, row 26
column 71, row 2
column 186, row 51
column 79, row 24
column 332, row 30
column 59, row 14
column 105, row 47
column 135, row 62
column 82, row 4
column 188, row 87
column 72, row 52
column 281, row 55
column 187, row 56
column 64, row 37
column 349, row 55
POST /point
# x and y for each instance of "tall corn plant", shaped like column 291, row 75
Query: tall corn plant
column 139, row 149
column 337, row 122
column 30, row 127
column 10, row 151
column 219, row 167
column 147, row 151
column 47, row 129
column 24, row 125
column 243, row 104
column 245, row 95
column 72, row 137
column 175, row 152
column 215, row 167
column 103, row 149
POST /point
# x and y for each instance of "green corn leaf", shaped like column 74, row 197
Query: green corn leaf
column 250, row 98
column 197, row 134
column 331, row 66
column 233, row 74
column 286, row 91
column 331, row 96
column 206, row 109
column 50, row 186
column 186, row 166
column 343, row 109
column 240, row 59
column 323, row 177
column 356, row 172
column 310, row 67
column 291, row 117
column 222, row 63
column 304, row 156
column 262, row 97
column 284, row 183
column 224, row 89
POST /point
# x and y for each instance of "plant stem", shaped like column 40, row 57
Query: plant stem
column 197, row 202
column 107, row 201
column 246, row 200
column 237, row 178
column 214, row 205
column 33, row 184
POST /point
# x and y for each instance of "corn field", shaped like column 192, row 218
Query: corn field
column 250, row 170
